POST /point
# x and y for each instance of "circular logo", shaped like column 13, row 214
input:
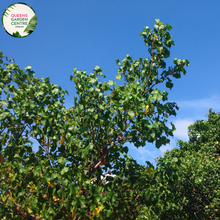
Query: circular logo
column 19, row 20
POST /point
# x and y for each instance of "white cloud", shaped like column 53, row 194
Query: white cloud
column 182, row 128
column 146, row 153
column 212, row 102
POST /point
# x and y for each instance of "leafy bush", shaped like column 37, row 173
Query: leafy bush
column 77, row 145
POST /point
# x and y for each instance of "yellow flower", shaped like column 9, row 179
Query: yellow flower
column 50, row 184
column 138, row 207
column 97, row 210
column 156, row 38
column 36, row 121
column 64, row 118
column 55, row 198
column 40, row 214
column 73, row 212
column 34, row 188
column 62, row 139
column 166, row 115
column 146, row 109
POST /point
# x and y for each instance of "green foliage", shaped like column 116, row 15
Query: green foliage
column 194, row 186
column 16, row 34
column 31, row 25
column 90, row 136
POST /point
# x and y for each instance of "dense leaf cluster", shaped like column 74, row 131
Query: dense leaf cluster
column 193, row 186
column 63, row 179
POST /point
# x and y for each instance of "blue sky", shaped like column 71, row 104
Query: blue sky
column 83, row 34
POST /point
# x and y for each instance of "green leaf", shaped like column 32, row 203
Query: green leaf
column 62, row 160
column 94, row 189
column 157, row 21
column 108, row 213
column 17, row 34
column 92, row 207
column 96, row 198
column 51, row 211
column 64, row 182
column 114, row 197
column 169, row 85
column 131, row 114
column 97, row 69
column 73, row 189
column 95, row 116
column 92, row 81
column 31, row 25
column 169, row 172
column 175, row 159
column 34, row 203
column 81, row 200
column 118, row 76
column 64, row 170
column 143, row 34
column 28, row 67
column 53, row 176
column 156, row 94
column 55, row 91
column 168, row 27
column 110, row 83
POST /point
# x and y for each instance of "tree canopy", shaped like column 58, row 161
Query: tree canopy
column 62, row 180
column 194, row 169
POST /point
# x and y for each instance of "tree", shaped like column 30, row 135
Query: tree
column 90, row 136
column 193, row 184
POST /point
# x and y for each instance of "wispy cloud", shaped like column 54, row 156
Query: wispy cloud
column 212, row 102
column 182, row 128
column 143, row 153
